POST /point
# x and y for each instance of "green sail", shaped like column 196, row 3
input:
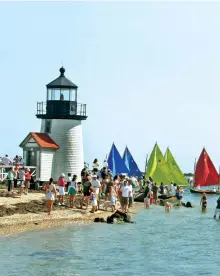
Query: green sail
column 176, row 174
column 157, row 167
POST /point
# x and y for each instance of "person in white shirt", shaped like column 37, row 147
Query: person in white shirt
column 96, row 185
column 6, row 160
column 105, row 164
column 68, row 182
column 22, row 179
column 173, row 189
column 86, row 165
column 126, row 192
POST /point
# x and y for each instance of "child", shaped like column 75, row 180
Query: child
column 204, row 202
column 93, row 200
column 72, row 190
column 112, row 195
column 168, row 206
column 147, row 202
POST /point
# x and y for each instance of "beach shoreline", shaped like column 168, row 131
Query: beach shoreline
column 28, row 213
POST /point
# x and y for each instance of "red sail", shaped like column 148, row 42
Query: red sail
column 205, row 172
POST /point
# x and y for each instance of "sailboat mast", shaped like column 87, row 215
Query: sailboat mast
column 194, row 173
column 218, row 178
column 146, row 164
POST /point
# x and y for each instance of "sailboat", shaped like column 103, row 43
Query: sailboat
column 176, row 175
column 205, row 174
column 115, row 162
column 157, row 167
column 131, row 164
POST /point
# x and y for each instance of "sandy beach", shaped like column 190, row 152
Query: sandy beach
column 28, row 213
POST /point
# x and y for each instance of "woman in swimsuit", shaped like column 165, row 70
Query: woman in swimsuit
column 203, row 202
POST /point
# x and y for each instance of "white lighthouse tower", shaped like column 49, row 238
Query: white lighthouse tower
column 61, row 118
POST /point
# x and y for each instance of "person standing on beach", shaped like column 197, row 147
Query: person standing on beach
column 68, row 182
column 72, row 190
column 104, row 176
column 27, row 180
column 15, row 173
column 105, row 163
column 10, row 178
column 86, row 191
column 117, row 187
column 50, row 191
column 125, row 196
column 93, row 200
column 6, row 160
column 61, row 187
column 95, row 166
column 22, row 179
column 130, row 200
column 96, row 186
column 217, row 210
column 112, row 197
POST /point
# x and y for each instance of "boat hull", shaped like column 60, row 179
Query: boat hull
column 209, row 192
column 140, row 197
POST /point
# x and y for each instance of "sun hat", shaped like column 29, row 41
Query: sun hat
column 94, row 176
column 62, row 175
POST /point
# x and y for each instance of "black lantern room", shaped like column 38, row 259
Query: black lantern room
column 61, row 101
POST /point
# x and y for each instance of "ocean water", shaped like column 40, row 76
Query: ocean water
column 182, row 242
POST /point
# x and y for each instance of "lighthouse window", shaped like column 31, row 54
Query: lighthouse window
column 47, row 126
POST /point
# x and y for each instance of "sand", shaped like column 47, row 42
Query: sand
column 28, row 213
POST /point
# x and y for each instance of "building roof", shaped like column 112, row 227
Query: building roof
column 42, row 139
column 62, row 82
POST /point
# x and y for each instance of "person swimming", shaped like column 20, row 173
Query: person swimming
column 168, row 207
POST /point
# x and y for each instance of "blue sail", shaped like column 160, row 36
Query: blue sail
column 131, row 164
column 115, row 163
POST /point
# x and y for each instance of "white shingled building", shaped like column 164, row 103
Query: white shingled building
column 58, row 148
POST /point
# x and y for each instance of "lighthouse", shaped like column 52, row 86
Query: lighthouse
column 61, row 122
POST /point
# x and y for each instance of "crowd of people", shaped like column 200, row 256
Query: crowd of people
column 96, row 185
column 151, row 191
column 18, row 175
column 7, row 161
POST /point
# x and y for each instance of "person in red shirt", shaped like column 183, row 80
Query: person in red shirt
column 61, row 186
column 27, row 181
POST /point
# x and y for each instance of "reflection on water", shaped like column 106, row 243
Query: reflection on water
column 182, row 242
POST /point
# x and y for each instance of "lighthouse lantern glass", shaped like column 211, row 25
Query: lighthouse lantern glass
column 61, row 94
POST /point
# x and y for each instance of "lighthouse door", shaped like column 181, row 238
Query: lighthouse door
column 31, row 158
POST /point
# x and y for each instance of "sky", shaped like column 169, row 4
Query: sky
column 147, row 71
